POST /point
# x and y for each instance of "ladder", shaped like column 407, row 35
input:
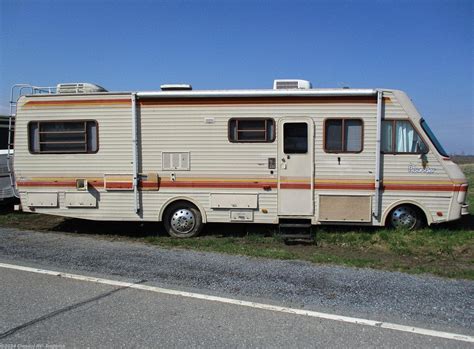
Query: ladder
column 17, row 91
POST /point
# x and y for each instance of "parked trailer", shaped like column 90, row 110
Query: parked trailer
column 7, row 193
column 291, row 155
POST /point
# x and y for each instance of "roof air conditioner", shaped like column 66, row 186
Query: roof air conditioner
column 291, row 84
column 82, row 87
column 176, row 87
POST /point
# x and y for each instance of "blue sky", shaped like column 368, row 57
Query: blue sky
column 422, row 47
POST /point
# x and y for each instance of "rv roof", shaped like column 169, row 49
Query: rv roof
column 258, row 93
column 323, row 92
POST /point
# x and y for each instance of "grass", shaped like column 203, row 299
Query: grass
column 445, row 250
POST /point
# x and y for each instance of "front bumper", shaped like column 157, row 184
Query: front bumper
column 464, row 210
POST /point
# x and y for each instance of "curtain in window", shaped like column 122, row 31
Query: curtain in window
column 334, row 135
column 92, row 145
column 34, row 137
column 353, row 135
column 405, row 134
column 387, row 129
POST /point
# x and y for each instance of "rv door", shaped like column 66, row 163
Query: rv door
column 296, row 166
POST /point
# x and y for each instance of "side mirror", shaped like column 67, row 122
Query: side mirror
column 424, row 160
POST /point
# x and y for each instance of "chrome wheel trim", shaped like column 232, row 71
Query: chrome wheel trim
column 404, row 217
column 183, row 221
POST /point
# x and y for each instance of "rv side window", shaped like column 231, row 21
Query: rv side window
column 63, row 137
column 343, row 135
column 399, row 136
column 251, row 130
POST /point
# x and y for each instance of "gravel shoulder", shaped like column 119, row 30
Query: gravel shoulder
column 421, row 301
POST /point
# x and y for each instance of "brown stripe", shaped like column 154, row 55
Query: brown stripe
column 201, row 184
column 295, row 186
column 257, row 100
column 118, row 185
column 46, row 184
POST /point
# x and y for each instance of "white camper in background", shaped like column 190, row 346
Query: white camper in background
column 6, row 163
column 291, row 155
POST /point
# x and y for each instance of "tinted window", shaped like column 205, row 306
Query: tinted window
column 343, row 135
column 333, row 135
column 433, row 139
column 295, row 138
column 3, row 138
column 4, row 122
column 251, row 130
column 63, row 137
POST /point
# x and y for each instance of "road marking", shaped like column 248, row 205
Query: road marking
column 269, row 307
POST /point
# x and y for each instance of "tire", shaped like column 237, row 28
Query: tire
column 182, row 220
column 406, row 217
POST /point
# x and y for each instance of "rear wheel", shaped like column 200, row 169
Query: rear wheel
column 182, row 220
column 406, row 217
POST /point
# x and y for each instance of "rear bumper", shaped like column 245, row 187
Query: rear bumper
column 464, row 210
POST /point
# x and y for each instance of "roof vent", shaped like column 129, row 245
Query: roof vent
column 291, row 84
column 176, row 87
column 82, row 87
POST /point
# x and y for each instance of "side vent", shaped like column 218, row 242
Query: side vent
column 291, row 84
column 178, row 161
column 75, row 88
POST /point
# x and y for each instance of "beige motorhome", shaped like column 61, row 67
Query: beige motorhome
column 291, row 155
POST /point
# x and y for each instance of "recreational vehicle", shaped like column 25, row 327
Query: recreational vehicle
column 292, row 155
column 6, row 162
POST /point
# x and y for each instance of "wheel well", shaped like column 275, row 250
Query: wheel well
column 186, row 201
column 425, row 215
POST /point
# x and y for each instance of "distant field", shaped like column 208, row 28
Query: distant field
column 446, row 250
column 463, row 159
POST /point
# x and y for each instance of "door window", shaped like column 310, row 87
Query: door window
column 295, row 138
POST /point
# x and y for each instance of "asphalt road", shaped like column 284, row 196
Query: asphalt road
column 44, row 309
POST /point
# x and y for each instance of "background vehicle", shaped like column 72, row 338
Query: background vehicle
column 7, row 193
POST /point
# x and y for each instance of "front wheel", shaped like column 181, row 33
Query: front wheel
column 182, row 220
column 406, row 217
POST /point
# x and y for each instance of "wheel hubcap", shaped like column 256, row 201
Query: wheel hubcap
column 183, row 221
column 404, row 217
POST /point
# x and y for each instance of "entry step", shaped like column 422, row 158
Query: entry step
column 295, row 225
column 294, row 231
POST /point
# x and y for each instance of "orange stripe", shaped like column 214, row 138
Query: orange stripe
column 77, row 102
column 421, row 187
column 243, row 185
column 338, row 186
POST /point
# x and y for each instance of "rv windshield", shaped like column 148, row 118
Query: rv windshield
column 433, row 138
